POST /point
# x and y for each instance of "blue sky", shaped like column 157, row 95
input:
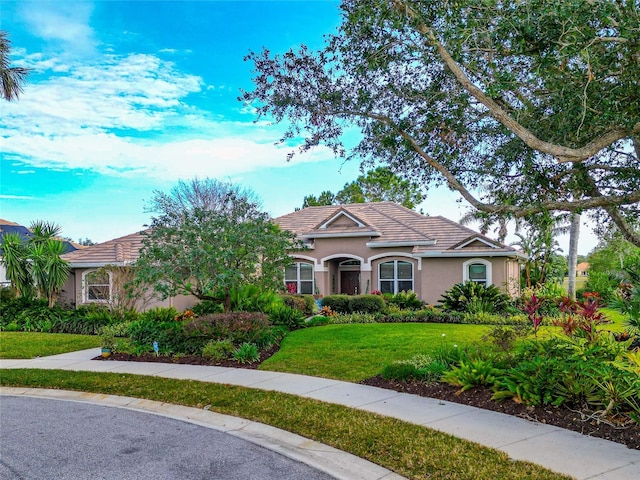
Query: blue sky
column 127, row 97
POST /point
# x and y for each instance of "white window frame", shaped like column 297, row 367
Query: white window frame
column 395, row 279
column 298, row 281
column 85, row 289
column 465, row 270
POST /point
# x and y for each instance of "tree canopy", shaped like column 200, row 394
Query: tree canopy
column 378, row 185
column 209, row 238
column 520, row 107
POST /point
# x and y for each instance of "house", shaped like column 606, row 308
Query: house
column 98, row 274
column 360, row 248
column 582, row 269
column 11, row 227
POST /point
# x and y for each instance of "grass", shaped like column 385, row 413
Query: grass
column 32, row 344
column 355, row 352
column 410, row 450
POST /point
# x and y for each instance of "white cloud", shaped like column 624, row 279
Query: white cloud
column 127, row 116
column 15, row 197
column 64, row 22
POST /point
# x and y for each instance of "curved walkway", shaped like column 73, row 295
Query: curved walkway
column 552, row 447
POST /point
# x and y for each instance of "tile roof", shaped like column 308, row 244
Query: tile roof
column 119, row 251
column 394, row 224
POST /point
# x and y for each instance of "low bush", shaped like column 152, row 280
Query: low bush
column 604, row 284
column 207, row 307
column 405, row 300
column 337, row 303
column 287, row 316
column 250, row 298
column 218, row 349
column 474, row 297
column 170, row 336
column 355, row 318
column 246, row 353
column 366, row 304
column 159, row 314
column 238, row 327
column 304, row 303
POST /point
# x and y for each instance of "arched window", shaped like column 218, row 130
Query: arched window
column 96, row 286
column 395, row 276
column 477, row 270
column 298, row 277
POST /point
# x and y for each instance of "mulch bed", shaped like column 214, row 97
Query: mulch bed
column 477, row 397
column 481, row 398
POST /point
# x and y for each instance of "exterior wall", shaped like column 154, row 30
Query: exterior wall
column 329, row 252
column 72, row 294
column 432, row 276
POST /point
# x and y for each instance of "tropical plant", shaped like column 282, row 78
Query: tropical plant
column 463, row 296
column 11, row 78
column 34, row 263
column 246, row 353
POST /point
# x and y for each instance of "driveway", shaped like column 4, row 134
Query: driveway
column 53, row 439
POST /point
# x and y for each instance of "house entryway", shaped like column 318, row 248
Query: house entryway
column 349, row 282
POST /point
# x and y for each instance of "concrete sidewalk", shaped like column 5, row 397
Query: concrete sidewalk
column 552, row 447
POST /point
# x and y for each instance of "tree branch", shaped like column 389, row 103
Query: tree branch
column 562, row 153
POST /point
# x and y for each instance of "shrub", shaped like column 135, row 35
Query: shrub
column 246, row 353
column 473, row 372
column 170, row 336
column 405, row 300
column 304, row 303
column 354, row 318
column 207, row 307
column 601, row 283
column 318, row 320
column 218, row 349
column 287, row 316
column 463, row 296
column 420, row 367
column 238, row 327
column 366, row 304
column 251, row 298
column 160, row 314
column 337, row 303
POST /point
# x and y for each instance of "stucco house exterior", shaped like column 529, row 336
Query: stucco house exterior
column 360, row 248
column 89, row 283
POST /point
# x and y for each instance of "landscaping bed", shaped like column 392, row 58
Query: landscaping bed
column 190, row 359
column 481, row 398
column 477, row 397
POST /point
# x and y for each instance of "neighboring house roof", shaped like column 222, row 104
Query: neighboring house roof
column 7, row 226
column 119, row 251
column 389, row 224
column 582, row 267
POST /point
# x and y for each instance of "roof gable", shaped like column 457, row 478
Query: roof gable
column 341, row 219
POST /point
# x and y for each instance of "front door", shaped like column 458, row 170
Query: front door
column 349, row 282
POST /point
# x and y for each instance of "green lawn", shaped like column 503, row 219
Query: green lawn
column 357, row 351
column 32, row 344
column 410, row 450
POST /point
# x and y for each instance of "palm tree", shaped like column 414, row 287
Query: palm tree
column 11, row 78
column 15, row 260
column 34, row 265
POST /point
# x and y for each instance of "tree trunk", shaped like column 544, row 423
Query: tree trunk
column 574, row 234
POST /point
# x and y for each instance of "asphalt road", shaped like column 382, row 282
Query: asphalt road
column 62, row 440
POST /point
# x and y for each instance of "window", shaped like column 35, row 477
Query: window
column 299, row 278
column 396, row 276
column 97, row 286
column 477, row 270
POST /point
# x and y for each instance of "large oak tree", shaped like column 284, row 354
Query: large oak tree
column 521, row 107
